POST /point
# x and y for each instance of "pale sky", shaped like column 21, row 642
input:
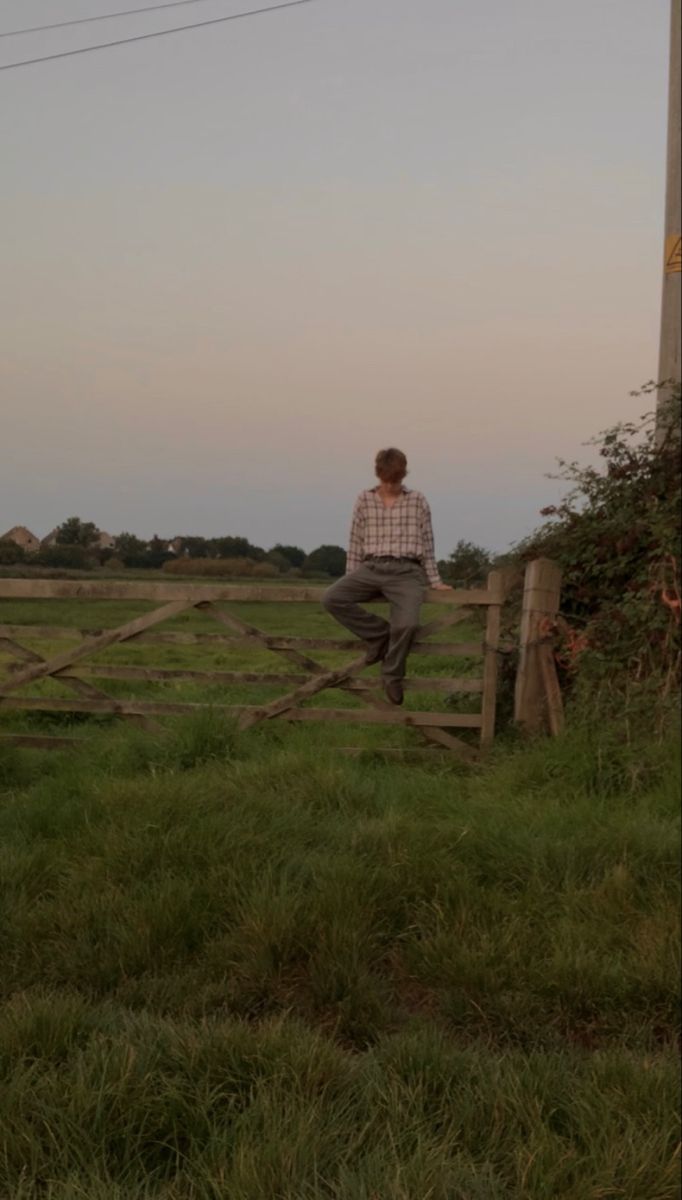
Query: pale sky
column 238, row 261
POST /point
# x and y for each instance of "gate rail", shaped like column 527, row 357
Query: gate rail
column 70, row 668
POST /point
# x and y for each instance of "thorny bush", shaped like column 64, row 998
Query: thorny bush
column 616, row 536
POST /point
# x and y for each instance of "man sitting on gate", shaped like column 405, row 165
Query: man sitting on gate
column 391, row 556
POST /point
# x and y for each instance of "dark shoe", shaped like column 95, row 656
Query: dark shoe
column 376, row 653
column 394, row 691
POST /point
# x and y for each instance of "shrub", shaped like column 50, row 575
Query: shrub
column 616, row 537
column 225, row 568
column 70, row 556
column 326, row 560
column 467, row 565
column 294, row 556
column 10, row 553
column 278, row 561
column 131, row 550
column 232, row 547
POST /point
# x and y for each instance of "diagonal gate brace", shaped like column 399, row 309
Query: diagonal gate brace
column 326, row 678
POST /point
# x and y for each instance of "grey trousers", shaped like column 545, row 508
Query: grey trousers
column 403, row 584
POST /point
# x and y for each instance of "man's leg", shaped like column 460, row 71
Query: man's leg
column 404, row 587
column 343, row 600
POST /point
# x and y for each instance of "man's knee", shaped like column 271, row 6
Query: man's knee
column 405, row 631
column 329, row 601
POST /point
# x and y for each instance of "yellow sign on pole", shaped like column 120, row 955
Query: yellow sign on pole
column 673, row 254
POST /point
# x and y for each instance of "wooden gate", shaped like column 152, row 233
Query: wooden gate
column 77, row 666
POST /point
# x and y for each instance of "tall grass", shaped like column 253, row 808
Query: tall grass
column 237, row 966
column 107, row 1103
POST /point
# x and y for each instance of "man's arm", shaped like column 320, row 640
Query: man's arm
column 356, row 541
column 429, row 559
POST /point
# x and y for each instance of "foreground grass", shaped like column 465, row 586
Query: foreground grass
column 240, row 967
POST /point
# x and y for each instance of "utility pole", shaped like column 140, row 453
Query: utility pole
column 671, row 313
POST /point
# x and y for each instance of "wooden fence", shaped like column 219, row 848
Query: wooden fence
column 72, row 669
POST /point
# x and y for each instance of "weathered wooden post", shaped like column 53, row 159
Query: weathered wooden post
column 534, row 709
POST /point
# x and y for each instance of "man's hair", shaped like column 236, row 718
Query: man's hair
column 390, row 465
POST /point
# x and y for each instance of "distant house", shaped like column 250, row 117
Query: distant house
column 176, row 545
column 21, row 536
column 50, row 539
column 105, row 541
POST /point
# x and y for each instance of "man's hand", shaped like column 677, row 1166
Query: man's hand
column 442, row 587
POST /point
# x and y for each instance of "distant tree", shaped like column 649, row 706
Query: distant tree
column 68, row 555
column 10, row 553
column 326, row 560
column 294, row 555
column 234, row 547
column 278, row 561
column 195, row 547
column 468, row 564
column 229, row 547
column 131, row 550
column 157, row 553
column 74, row 532
column 510, row 558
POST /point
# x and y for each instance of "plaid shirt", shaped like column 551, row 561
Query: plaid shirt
column 401, row 531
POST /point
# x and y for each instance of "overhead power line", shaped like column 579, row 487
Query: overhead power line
column 142, row 37
column 127, row 12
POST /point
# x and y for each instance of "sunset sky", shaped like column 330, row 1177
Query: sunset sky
column 239, row 260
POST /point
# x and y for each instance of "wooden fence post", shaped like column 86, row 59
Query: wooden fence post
column 541, row 597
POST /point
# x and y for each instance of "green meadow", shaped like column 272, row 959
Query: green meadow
column 242, row 966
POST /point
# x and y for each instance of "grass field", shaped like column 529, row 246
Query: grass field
column 240, row 966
